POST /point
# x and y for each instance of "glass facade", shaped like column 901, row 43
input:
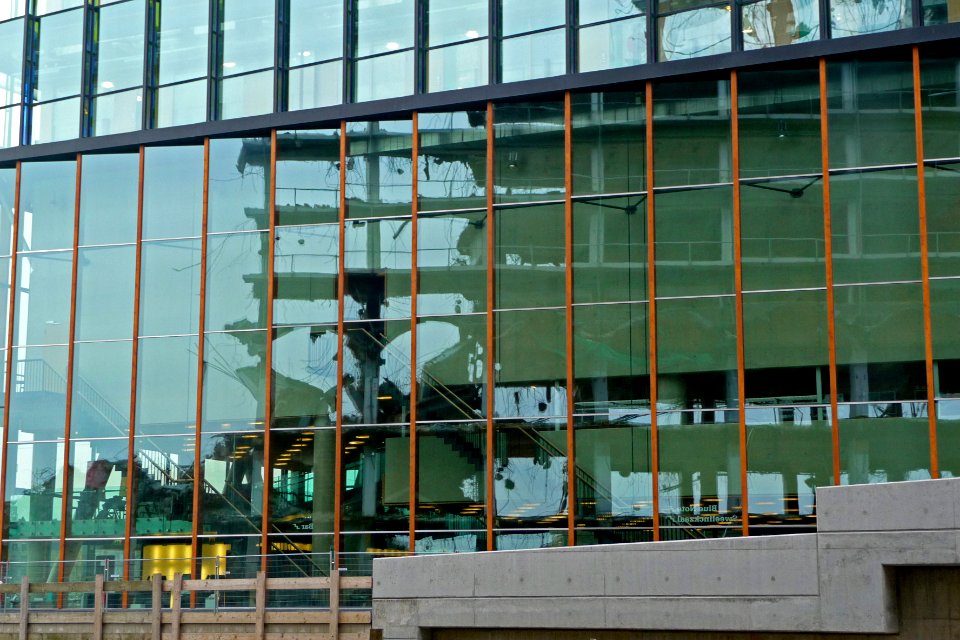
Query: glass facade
column 657, row 310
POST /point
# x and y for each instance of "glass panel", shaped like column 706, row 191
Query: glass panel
column 875, row 226
column 232, row 499
column 530, row 269
column 456, row 541
column 699, row 474
column 302, row 482
column 376, row 484
column 12, row 8
column 118, row 113
column 308, row 176
column 384, row 25
column 234, row 381
column 451, row 374
column 316, row 30
column 249, row 95
column 248, row 30
column 11, row 61
column 43, row 298
column 529, row 160
column 319, row 85
column 101, row 390
column 34, row 490
column 108, row 198
column 943, row 225
column 4, row 311
column 105, row 291
column 59, row 67
column 167, row 386
column 383, row 77
column 236, row 281
column 164, row 498
column 510, row 541
column 944, row 314
column 519, row 16
column 597, row 10
column 781, row 234
column 377, row 264
column 170, row 287
column 613, row 45
column 120, row 46
column 785, row 348
column 531, row 378
column 779, row 116
column 694, row 242
column 609, row 143
column 884, row 442
column 455, row 20
column 40, row 558
column 611, row 365
column 850, row 18
column 239, row 184
column 697, row 359
column 871, row 112
column 772, row 23
column 9, row 127
column 539, row 55
column 451, row 166
column 939, row 82
column 379, row 168
column 948, row 438
column 98, row 490
column 530, row 477
column 8, row 185
column 172, row 192
column 458, row 66
column 691, row 34
column 450, row 477
column 376, row 373
column 452, row 264
column 940, row 11
column 304, row 377
column 183, row 55
column 47, row 205
column 610, row 250
column 38, row 400
column 42, row 7
column 55, row 121
column 182, row 104
column 612, row 535
column 305, row 272
column 614, row 481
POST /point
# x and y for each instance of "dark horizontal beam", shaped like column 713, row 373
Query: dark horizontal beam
column 476, row 97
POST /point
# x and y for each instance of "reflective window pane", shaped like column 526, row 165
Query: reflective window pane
column 8, row 182
column 97, row 495
column 771, row 23
column 248, row 30
column 451, row 372
column 316, row 31
column 376, row 373
column 609, row 143
column 304, row 387
column 530, row 267
column 38, row 402
column 59, row 61
column 167, row 386
column 302, row 488
column 239, row 186
column 539, row 55
column 377, row 263
column 379, row 168
column 613, row 45
column 164, row 491
column 451, row 170
column 11, row 61
column 55, row 121
column 248, row 95
column 382, row 77
column 519, row 16
column 101, row 391
column 308, row 176
column 450, row 479
column 376, row 482
column 319, row 85
column 530, row 478
column 47, row 205
column 172, row 192
column 452, row 264
column 305, row 272
column 529, row 158
column 43, row 298
column 233, row 476
column 531, row 363
column 108, row 198
column 120, row 46
column 234, row 375
column 118, row 112
column 939, row 85
column 943, row 225
column 169, row 287
column 105, row 290
column 10, row 127
column 182, row 104
column 453, row 20
column 691, row 34
column 384, row 25
column 849, row 18
column 599, row 10
column 42, row 7
column 458, row 66
column 34, row 490
column 183, row 55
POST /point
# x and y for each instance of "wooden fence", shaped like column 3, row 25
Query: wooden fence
column 178, row 623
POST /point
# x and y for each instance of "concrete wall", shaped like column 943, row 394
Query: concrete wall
column 841, row 580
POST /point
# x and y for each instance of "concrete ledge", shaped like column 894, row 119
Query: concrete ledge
column 839, row 580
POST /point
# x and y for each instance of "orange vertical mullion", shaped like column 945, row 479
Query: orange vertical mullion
column 9, row 364
column 341, row 284
column 828, row 258
column 652, row 316
column 197, row 471
column 568, row 260
column 414, row 288
column 738, row 289
column 64, row 499
column 491, row 356
column 925, row 267
column 268, row 356
column 135, row 355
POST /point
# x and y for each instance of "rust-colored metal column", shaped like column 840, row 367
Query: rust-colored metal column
column 341, row 286
column 9, row 364
column 925, row 266
column 652, row 316
column 738, row 289
column 491, row 333
column 828, row 251
column 414, row 287
column 268, row 355
column 65, row 496
column 195, row 547
column 568, row 262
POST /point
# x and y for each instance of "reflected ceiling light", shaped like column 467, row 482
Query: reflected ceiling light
column 231, row 65
column 384, row 397
column 306, row 54
column 106, row 84
column 392, row 46
column 473, row 33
